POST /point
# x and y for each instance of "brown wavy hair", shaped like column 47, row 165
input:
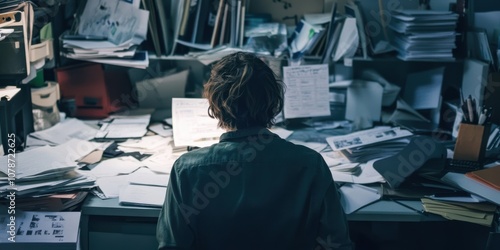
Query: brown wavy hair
column 243, row 92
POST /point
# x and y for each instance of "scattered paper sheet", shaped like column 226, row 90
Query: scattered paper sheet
column 116, row 166
column 368, row 175
column 110, row 186
column 66, row 130
column 145, row 176
column 142, row 195
column 132, row 126
column 356, row 196
column 161, row 130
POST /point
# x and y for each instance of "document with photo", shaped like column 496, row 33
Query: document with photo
column 366, row 137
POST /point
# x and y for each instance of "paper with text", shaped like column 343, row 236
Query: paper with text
column 191, row 124
column 307, row 92
column 366, row 137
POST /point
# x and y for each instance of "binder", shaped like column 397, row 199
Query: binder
column 152, row 25
column 202, row 34
column 163, row 8
column 334, row 29
column 218, row 23
column 223, row 28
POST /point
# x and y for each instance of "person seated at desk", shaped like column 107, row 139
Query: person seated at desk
column 253, row 189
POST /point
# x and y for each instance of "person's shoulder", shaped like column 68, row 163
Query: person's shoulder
column 303, row 151
column 192, row 158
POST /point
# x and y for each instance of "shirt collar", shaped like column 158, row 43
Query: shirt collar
column 246, row 132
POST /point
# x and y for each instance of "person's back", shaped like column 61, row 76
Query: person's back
column 252, row 190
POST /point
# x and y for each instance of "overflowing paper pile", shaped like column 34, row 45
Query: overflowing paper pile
column 109, row 33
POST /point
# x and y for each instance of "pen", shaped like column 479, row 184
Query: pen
column 452, row 194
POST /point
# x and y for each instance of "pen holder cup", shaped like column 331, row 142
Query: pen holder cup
column 471, row 142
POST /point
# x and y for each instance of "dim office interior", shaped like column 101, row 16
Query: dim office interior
column 100, row 97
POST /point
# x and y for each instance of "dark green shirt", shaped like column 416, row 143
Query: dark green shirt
column 252, row 190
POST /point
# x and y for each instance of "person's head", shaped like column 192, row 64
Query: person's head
column 243, row 92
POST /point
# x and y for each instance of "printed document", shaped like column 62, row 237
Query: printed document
column 366, row 137
column 191, row 124
column 307, row 91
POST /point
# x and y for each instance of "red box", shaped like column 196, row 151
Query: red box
column 97, row 92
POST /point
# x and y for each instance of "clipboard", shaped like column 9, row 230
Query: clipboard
column 15, row 46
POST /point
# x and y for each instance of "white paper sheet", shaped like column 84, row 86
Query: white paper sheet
column 423, row 89
column 8, row 92
column 368, row 175
column 307, row 92
column 142, row 195
column 116, row 166
column 145, row 176
column 66, row 130
column 111, row 185
column 191, row 124
column 281, row 132
column 116, row 20
column 356, row 196
column 133, row 126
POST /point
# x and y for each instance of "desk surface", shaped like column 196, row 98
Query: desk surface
column 381, row 210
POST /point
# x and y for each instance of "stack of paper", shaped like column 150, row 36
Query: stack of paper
column 424, row 34
column 109, row 33
column 374, row 151
column 479, row 213
column 371, row 136
column 125, row 54
column 55, row 202
column 46, row 170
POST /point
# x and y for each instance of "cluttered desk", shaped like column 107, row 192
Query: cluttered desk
column 116, row 170
column 119, row 166
column 128, row 177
